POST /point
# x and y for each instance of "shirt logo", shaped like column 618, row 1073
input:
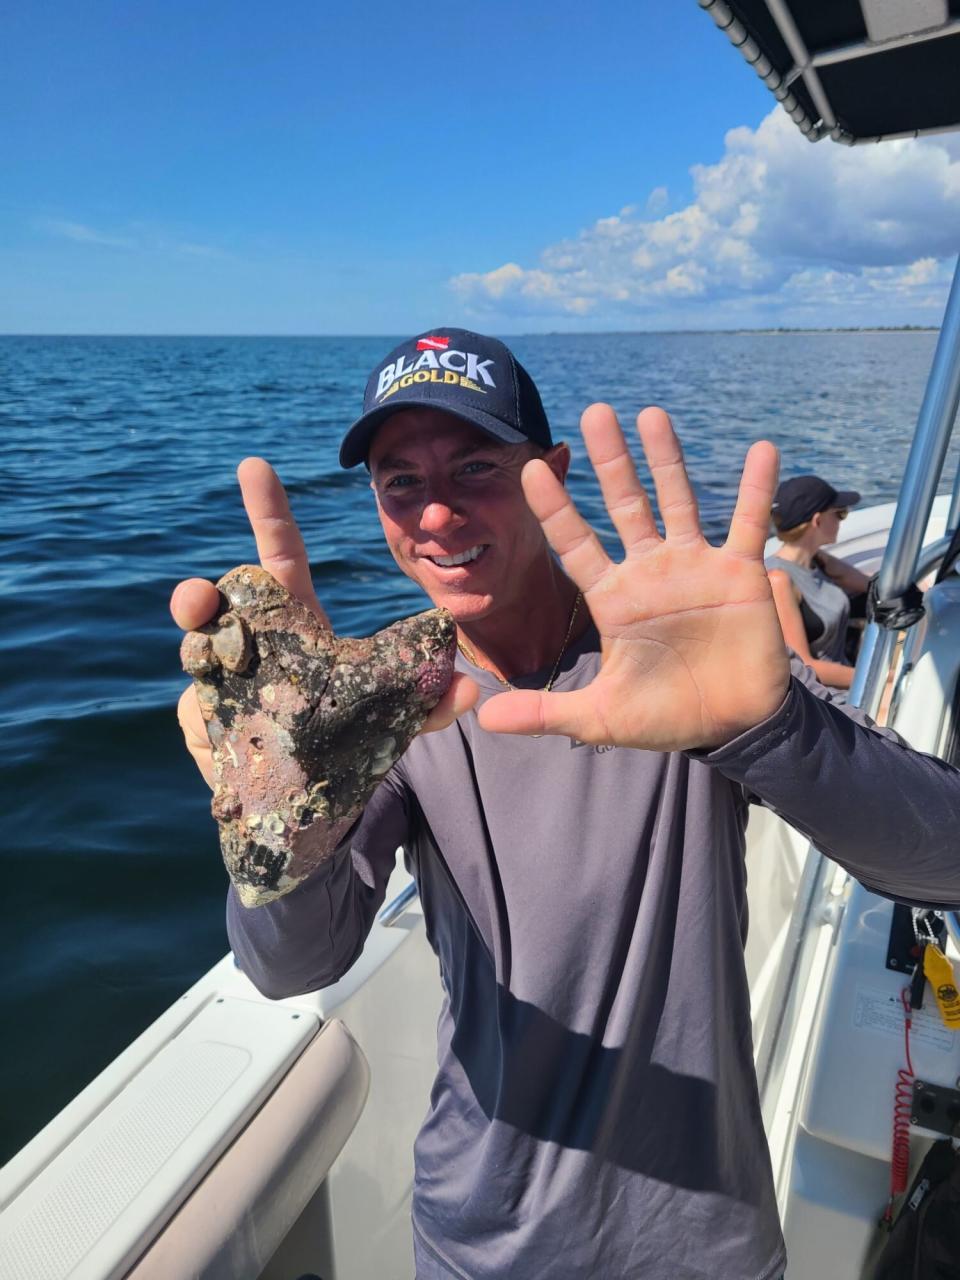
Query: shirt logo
column 600, row 749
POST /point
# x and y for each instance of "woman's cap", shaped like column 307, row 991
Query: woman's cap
column 800, row 498
column 466, row 374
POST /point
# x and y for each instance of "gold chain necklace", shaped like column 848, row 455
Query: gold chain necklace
column 472, row 657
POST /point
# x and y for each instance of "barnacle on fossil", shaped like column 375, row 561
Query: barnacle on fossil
column 303, row 725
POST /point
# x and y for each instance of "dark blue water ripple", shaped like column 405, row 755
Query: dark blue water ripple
column 117, row 478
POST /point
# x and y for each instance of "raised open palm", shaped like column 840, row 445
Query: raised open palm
column 692, row 652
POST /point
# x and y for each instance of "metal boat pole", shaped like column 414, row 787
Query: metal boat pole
column 953, row 515
column 915, row 502
column 873, row 664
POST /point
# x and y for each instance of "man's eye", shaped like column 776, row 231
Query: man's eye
column 400, row 482
column 477, row 468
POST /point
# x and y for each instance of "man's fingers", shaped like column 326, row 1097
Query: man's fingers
column 195, row 733
column 625, row 497
column 568, row 533
column 750, row 526
column 279, row 543
column 526, row 711
column 675, row 496
column 194, row 603
column 459, row 698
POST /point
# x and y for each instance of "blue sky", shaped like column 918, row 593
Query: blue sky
column 309, row 168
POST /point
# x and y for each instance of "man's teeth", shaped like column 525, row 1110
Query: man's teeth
column 463, row 558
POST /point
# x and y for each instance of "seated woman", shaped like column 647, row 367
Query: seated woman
column 812, row 590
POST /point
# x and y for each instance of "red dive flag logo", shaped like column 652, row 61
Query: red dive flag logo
column 432, row 344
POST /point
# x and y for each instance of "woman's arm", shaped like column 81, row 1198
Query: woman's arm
column 843, row 574
column 785, row 597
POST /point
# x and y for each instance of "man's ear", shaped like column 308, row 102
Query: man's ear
column 557, row 459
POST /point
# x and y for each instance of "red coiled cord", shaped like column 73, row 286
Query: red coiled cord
column 902, row 1109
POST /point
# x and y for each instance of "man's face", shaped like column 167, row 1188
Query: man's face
column 453, row 511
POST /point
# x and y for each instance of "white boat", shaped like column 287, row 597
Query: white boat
column 241, row 1138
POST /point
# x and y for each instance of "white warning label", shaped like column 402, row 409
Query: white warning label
column 882, row 1011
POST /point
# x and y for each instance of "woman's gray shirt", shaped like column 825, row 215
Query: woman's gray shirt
column 829, row 605
column 595, row 1111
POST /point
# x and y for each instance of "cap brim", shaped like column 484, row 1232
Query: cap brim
column 846, row 498
column 356, row 443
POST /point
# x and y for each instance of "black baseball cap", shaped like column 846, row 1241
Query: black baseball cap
column 471, row 376
column 800, row 498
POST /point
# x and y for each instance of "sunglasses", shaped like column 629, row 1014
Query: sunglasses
column 841, row 512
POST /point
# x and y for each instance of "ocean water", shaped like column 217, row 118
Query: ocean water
column 117, row 459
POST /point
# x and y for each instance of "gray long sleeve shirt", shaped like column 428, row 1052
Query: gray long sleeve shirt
column 595, row 1111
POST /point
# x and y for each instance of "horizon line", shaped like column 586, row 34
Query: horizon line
column 545, row 333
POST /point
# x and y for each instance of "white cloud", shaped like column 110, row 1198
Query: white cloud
column 778, row 228
column 923, row 271
column 657, row 201
column 138, row 238
column 84, row 235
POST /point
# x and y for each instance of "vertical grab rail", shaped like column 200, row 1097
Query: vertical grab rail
column 953, row 515
column 919, row 488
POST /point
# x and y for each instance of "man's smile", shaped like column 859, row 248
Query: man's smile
column 461, row 558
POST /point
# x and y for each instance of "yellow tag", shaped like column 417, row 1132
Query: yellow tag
column 939, row 973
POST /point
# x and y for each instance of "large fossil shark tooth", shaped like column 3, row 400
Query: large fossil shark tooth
column 303, row 725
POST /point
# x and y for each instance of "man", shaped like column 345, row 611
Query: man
column 595, row 1111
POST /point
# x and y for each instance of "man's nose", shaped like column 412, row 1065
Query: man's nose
column 439, row 513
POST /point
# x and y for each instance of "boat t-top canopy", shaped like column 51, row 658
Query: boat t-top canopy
column 853, row 70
